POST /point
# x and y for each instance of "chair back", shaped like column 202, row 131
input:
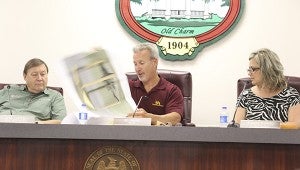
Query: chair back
column 59, row 89
column 183, row 80
column 245, row 83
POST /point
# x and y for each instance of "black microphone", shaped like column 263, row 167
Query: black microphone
column 233, row 124
column 138, row 104
column 8, row 92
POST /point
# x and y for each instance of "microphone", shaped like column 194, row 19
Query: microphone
column 138, row 104
column 233, row 124
column 8, row 92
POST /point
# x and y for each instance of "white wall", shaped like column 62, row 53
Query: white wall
column 56, row 29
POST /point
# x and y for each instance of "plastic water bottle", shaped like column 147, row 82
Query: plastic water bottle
column 224, row 117
column 83, row 114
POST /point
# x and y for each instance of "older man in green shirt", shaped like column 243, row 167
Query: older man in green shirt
column 34, row 98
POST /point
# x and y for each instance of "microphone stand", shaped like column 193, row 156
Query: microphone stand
column 138, row 104
column 233, row 124
column 8, row 91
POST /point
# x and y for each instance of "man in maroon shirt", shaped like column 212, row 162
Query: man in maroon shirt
column 158, row 99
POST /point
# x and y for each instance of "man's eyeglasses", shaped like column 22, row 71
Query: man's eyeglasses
column 252, row 69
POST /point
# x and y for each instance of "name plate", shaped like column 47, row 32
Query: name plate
column 260, row 124
column 17, row 119
column 133, row 121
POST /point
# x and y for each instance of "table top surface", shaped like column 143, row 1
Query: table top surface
column 150, row 133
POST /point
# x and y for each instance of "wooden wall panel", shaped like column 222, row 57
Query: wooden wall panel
column 71, row 154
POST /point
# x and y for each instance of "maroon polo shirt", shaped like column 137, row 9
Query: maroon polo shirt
column 164, row 98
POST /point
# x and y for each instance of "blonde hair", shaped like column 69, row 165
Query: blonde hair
column 270, row 68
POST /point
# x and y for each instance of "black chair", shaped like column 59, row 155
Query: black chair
column 245, row 83
column 183, row 80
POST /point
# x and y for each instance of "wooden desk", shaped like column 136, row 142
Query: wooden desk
column 67, row 147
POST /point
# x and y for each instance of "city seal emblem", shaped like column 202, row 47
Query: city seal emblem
column 111, row 158
column 181, row 28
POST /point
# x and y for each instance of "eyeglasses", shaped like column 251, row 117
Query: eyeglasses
column 252, row 69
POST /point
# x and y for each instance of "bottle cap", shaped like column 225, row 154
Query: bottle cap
column 224, row 107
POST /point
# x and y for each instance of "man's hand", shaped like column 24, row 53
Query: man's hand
column 140, row 113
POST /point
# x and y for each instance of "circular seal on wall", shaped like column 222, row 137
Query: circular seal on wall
column 180, row 28
column 111, row 158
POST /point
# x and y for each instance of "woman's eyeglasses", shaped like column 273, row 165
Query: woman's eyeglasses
column 252, row 69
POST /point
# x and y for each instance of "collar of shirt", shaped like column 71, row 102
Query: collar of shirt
column 23, row 87
column 159, row 86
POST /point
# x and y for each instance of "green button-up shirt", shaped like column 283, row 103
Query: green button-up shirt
column 17, row 100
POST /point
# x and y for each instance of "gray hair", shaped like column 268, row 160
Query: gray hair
column 147, row 46
column 270, row 67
